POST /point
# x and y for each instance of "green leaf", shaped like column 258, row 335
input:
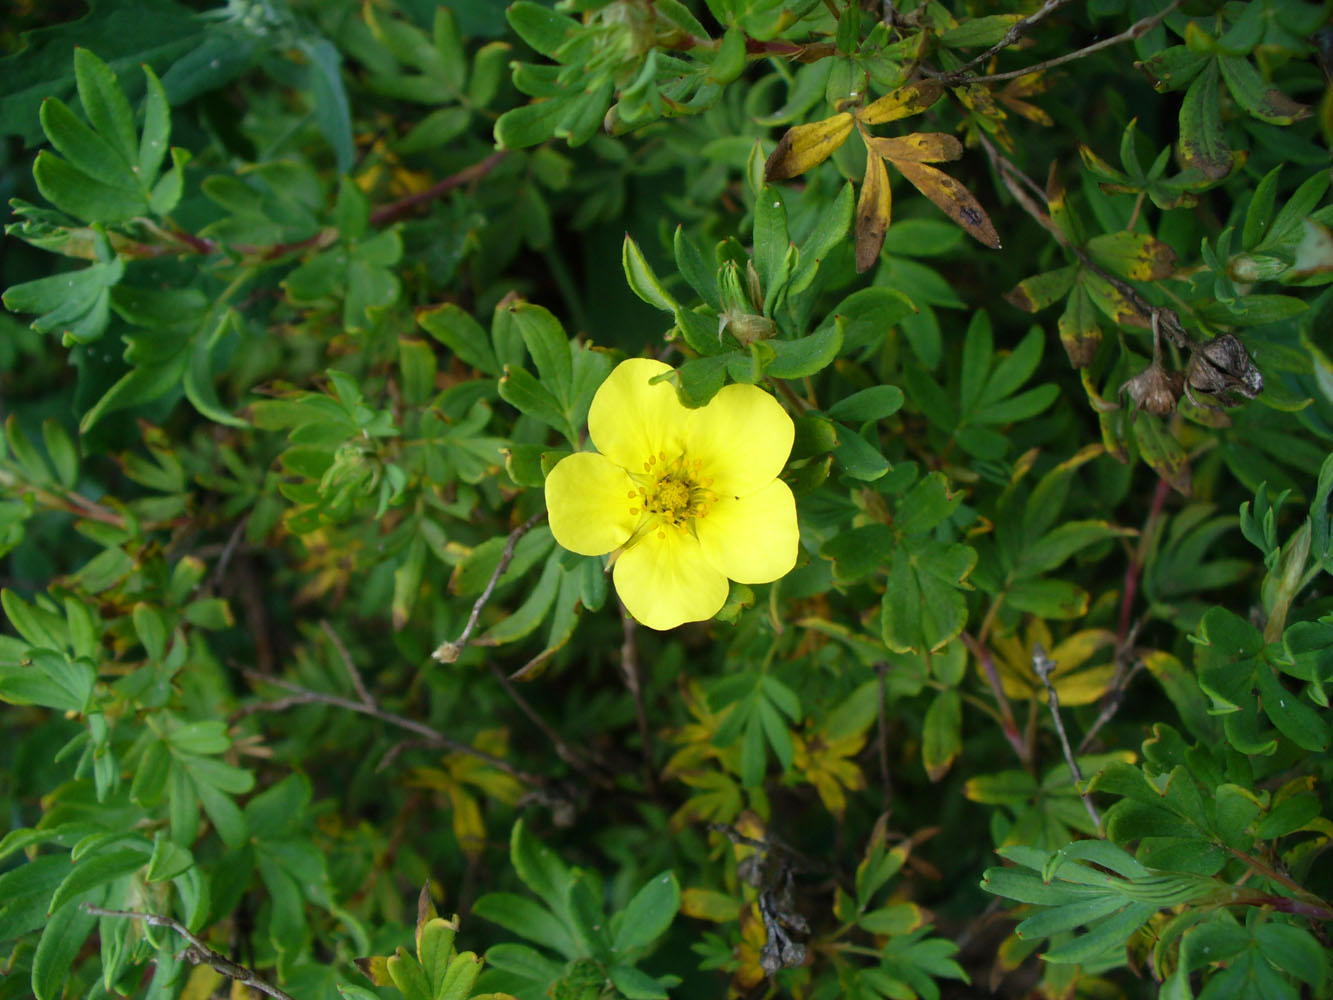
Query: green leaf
column 62, row 940
column 771, row 244
column 97, row 870
column 75, row 304
column 635, row 985
column 542, row 28
column 548, row 345
column 462, row 334
column 62, row 452
column 806, row 356
column 1252, row 93
column 85, row 150
column 1288, row 712
column 923, row 607
column 539, row 868
column 85, row 197
column 332, row 113
column 1203, row 146
column 642, row 280
column 524, row 392
column 648, row 914
column 941, row 735
column 875, row 403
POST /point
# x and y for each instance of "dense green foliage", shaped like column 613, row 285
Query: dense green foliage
column 305, row 299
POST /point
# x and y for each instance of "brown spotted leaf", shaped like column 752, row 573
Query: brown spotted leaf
column 956, row 200
column 1041, row 290
column 1079, row 331
column 806, row 146
column 1162, row 452
column 919, row 147
column 376, row 969
column 873, row 211
column 978, row 97
column 1112, row 302
column 909, row 99
column 1253, row 93
column 1203, row 145
column 1134, row 256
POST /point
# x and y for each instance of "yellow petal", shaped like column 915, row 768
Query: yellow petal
column 631, row 420
column 742, row 437
column 587, row 499
column 665, row 580
column 753, row 539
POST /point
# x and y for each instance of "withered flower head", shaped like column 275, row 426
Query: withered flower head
column 1223, row 367
column 1155, row 389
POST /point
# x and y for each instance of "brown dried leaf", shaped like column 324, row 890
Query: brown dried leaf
column 909, row 99
column 919, row 147
column 957, row 201
column 873, row 211
column 806, row 146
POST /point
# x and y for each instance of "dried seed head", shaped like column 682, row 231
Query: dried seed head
column 1223, row 367
column 1155, row 389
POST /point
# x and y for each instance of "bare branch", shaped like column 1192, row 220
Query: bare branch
column 357, row 683
column 1135, row 30
column 1044, row 666
column 1016, row 31
column 433, row 737
column 1007, row 722
column 198, row 953
column 448, row 652
column 629, row 667
column 566, row 752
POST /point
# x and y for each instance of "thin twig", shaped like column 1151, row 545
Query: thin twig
column 198, row 953
column 352, row 672
column 1115, row 697
column 229, row 550
column 1007, row 722
column 1044, row 666
column 629, row 666
column 1135, row 30
column 448, row 652
column 396, row 210
column 1016, row 31
column 1136, row 561
column 566, row 752
column 882, row 738
column 1015, row 180
column 304, row 696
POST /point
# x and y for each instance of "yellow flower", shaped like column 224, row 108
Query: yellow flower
column 685, row 498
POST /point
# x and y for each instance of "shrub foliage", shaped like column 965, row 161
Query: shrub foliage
column 305, row 300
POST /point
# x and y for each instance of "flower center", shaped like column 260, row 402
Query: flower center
column 673, row 493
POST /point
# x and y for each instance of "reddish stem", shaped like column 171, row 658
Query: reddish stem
column 1135, row 567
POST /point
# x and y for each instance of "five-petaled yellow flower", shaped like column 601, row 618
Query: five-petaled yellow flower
column 685, row 498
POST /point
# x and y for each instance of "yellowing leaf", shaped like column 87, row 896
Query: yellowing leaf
column 709, row 904
column 956, row 200
column 806, row 146
column 1076, row 682
column 919, row 147
column 873, row 211
column 910, row 99
column 828, row 765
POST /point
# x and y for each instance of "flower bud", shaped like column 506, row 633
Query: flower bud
column 739, row 312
